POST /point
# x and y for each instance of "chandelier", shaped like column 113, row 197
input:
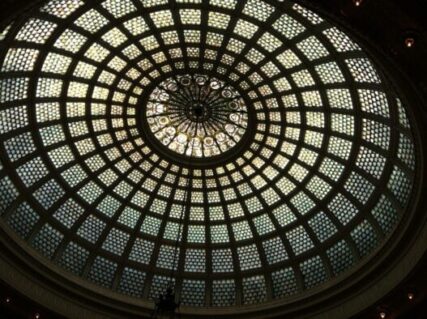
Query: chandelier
column 166, row 304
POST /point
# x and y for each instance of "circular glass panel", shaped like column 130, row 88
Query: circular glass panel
column 197, row 116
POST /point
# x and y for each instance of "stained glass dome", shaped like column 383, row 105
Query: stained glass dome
column 298, row 151
column 197, row 116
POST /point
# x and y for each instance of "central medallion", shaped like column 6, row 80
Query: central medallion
column 198, row 111
column 196, row 115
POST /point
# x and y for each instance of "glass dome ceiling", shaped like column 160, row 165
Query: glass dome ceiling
column 309, row 180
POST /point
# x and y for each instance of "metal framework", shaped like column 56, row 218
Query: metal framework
column 319, row 180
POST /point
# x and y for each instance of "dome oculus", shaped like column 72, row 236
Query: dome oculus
column 197, row 116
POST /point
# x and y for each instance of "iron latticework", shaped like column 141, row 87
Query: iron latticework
column 300, row 152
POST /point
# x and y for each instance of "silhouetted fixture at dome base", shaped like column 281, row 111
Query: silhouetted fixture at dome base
column 166, row 305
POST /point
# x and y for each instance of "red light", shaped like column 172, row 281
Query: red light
column 409, row 42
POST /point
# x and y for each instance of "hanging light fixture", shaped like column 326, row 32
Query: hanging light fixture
column 166, row 304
